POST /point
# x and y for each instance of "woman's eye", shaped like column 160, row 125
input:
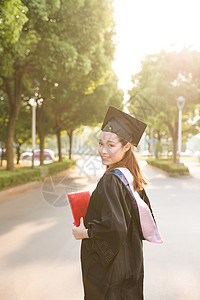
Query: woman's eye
column 100, row 143
column 110, row 145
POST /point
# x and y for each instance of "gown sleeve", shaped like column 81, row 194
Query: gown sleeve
column 109, row 230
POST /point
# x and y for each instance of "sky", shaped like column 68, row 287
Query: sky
column 148, row 26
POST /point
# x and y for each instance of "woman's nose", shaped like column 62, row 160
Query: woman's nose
column 104, row 150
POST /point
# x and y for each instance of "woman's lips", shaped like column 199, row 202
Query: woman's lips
column 105, row 157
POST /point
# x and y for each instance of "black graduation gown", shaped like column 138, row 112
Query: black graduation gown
column 112, row 257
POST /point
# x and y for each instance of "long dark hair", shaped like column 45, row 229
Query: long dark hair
column 129, row 161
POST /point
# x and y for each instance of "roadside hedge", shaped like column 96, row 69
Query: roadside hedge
column 26, row 174
column 168, row 166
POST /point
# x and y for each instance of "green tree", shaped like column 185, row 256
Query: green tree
column 89, row 30
column 92, row 107
column 12, row 17
column 162, row 79
column 53, row 41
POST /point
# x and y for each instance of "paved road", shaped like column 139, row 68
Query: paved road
column 173, row 269
column 39, row 259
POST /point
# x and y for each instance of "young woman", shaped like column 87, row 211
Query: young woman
column 117, row 218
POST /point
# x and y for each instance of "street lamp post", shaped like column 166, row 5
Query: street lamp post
column 33, row 103
column 180, row 104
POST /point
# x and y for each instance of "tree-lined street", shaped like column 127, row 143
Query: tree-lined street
column 40, row 258
column 57, row 80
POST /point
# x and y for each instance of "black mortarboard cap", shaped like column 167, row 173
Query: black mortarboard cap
column 124, row 125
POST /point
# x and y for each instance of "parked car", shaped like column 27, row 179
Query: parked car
column 48, row 154
column 26, row 155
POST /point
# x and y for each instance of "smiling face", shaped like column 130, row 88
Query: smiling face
column 110, row 149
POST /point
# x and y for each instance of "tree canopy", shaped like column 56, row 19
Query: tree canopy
column 64, row 46
column 162, row 79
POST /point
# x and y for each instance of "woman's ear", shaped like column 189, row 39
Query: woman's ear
column 127, row 147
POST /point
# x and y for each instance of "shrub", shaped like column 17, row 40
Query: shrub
column 27, row 174
column 21, row 175
column 56, row 167
column 169, row 167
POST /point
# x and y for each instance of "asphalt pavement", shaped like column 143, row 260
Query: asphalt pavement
column 40, row 260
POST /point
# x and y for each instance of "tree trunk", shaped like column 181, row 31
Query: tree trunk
column 1, row 160
column 43, row 127
column 14, row 96
column 59, row 144
column 40, row 130
column 158, row 145
column 156, row 152
column 18, row 152
column 70, row 134
column 10, row 141
column 174, row 134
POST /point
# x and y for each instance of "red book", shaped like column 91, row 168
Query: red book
column 79, row 203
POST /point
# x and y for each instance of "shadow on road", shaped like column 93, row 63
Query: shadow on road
column 37, row 246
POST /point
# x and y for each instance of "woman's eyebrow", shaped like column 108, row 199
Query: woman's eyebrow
column 109, row 141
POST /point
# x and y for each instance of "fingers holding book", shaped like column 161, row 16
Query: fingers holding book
column 80, row 232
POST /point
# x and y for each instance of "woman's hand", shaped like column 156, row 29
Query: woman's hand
column 80, row 232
